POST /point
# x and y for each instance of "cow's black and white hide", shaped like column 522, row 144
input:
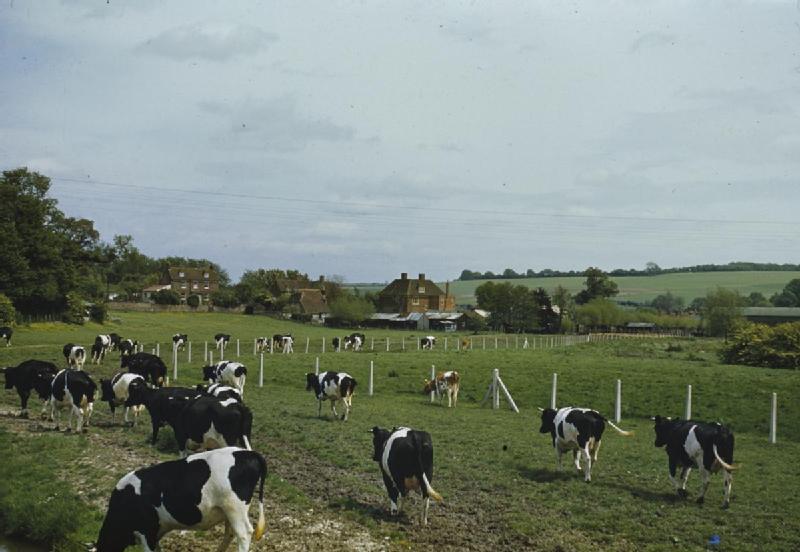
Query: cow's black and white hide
column 164, row 404
column 222, row 340
column 30, row 375
column 262, row 344
column 690, row 444
column 287, row 344
column 332, row 386
column 354, row 340
column 336, row 343
column 119, row 391
column 228, row 373
column 75, row 355
column 6, row 333
column 127, row 347
column 194, row 493
column 115, row 341
column 279, row 340
column 105, row 342
column 75, row 390
column 207, row 423
column 220, row 391
column 579, row 430
column 98, row 352
column 428, row 342
column 149, row 366
column 406, row 460
column 179, row 341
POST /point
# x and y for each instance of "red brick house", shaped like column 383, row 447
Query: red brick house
column 406, row 295
column 186, row 281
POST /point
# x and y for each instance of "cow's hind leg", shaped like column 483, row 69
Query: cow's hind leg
column 673, row 468
column 559, row 466
column 226, row 538
column 79, row 415
column 596, row 450
column 394, row 494
column 426, row 503
column 587, row 471
column 684, row 478
column 728, row 483
column 706, row 476
column 576, row 458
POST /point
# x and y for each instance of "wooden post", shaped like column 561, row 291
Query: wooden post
column 445, row 344
column 433, row 379
column 618, row 403
column 484, row 342
column 308, row 342
column 553, row 392
column 237, row 348
column 688, row 414
column 496, row 389
column 773, row 420
column 316, row 366
column 261, row 371
column 371, row 376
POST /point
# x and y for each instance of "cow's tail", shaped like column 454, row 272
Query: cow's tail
column 725, row 442
column 247, row 426
column 421, row 471
column 261, row 525
column 619, row 430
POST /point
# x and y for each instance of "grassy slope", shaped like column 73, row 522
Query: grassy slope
column 513, row 494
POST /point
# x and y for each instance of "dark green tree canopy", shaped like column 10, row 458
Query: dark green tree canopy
column 598, row 286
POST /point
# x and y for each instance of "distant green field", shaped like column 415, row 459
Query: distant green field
column 641, row 289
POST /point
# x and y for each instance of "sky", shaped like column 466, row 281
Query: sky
column 365, row 139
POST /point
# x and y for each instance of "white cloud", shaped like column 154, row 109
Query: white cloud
column 212, row 41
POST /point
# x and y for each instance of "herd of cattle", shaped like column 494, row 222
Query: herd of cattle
column 215, row 478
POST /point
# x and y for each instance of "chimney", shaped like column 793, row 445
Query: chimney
column 404, row 275
column 321, row 279
column 446, row 290
column 421, row 276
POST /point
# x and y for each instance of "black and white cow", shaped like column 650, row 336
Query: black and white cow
column 287, row 344
column 220, row 391
column 118, row 390
column 75, row 390
column 579, row 430
column 164, row 404
column 194, row 493
column 279, row 340
column 227, row 372
column 127, row 347
column 75, row 355
column 31, row 375
column 332, row 386
column 98, row 352
column 105, row 340
column 147, row 365
column 690, row 444
column 6, row 333
column 406, row 460
column 262, row 344
column 354, row 340
column 336, row 344
column 222, row 340
column 207, row 423
column 179, row 341
column 428, row 342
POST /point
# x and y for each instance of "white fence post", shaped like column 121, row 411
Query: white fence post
column 509, row 398
column 158, row 349
column 402, row 343
column 205, row 351
column 445, row 344
column 495, row 343
column 496, row 389
column 175, row 363
column 371, row 376
column 688, row 415
column 154, row 351
column 618, row 403
column 773, row 421
column 484, row 343
column 553, row 392
column 261, row 371
column 189, row 354
column 270, row 345
column 323, row 344
column 387, row 344
column 316, row 366
column 308, row 342
column 433, row 381
column 211, row 357
column 255, row 346
column 237, row 348
column 418, row 343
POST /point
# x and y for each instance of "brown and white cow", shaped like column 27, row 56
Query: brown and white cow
column 445, row 382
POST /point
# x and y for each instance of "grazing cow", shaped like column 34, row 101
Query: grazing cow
column 262, row 344
column 104, row 340
column 332, row 386
column 222, row 340
column 354, row 340
column 279, row 340
column 118, row 390
column 75, row 355
column 689, row 444
column 579, row 430
column 428, row 342
column 335, row 342
column 445, row 382
column 164, row 404
column 207, row 423
column 6, row 333
column 288, row 344
column 227, row 372
column 149, row 366
column 179, row 341
column 194, row 493
column 221, row 392
column 127, row 347
column 72, row 389
column 115, row 341
column 98, row 352
column 31, row 375
column 406, row 460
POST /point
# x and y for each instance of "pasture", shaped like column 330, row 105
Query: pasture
column 641, row 289
column 495, row 471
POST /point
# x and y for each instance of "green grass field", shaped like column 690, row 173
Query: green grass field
column 495, row 471
column 641, row 289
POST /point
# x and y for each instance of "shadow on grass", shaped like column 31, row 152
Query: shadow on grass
column 370, row 511
column 541, row 475
column 643, row 494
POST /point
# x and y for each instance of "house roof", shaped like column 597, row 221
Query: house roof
column 190, row 273
column 312, row 301
column 777, row 312
column 431, row 315
column 410, row 286
column 156, row 287
column 395, row 317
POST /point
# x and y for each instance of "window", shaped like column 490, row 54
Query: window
column 183, row 286
column 205, row 275
column 205, row 286
column 194, row 285
column 415, row 300
column 421, row 289
column 181, row 274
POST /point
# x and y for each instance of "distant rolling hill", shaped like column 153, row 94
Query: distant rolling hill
column 639, row 289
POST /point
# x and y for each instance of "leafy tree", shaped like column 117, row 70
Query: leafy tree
column 598, row 286
column 599, row 313
column 98, row 312
column 510, row 273
column 789, row 297
column 515, row 308
column 762, row 345
column 75, row 309
column 351, row 309
column 7, row 312
column 668, row 303
column 722, row 312
column 166, row 297
column 757, row 299
column 225, row 298
column 563, row 299
column 652, row 268
column 193, row 301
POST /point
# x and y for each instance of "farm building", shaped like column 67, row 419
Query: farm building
column 771, row 315
column 431, row 320
column 405, row 295
column 312, row 304
column 186, row 281
column 147, row 293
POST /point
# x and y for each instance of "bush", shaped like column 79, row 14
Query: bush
column 75, row 311
column 8, row 313
column 762, row 345
column 193, row 301
column 225, row 298
column 351, row 310
column 166, row 297
column 98, row 313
